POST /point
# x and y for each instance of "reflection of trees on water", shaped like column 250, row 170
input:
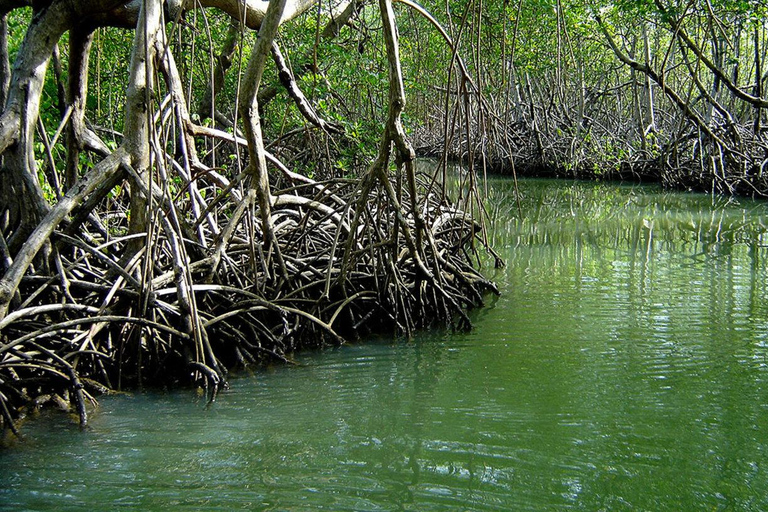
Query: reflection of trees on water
column 605, row 215
column 634, row 236
column 701, row 257
column 644, row 298
column 672, row 286
column 609, row 216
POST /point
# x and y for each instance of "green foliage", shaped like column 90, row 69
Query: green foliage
column 17, row 19
column 554, row 45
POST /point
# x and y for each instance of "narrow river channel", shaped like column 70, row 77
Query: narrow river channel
column 625, row 367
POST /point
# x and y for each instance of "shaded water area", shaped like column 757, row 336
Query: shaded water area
column 625, row 367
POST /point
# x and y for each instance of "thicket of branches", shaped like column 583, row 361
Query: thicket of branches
column 172, row 243
column 667, row 90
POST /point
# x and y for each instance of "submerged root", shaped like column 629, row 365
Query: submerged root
column 198, row 301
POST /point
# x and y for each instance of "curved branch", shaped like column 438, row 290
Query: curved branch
column 431, row 19
column 250, row 12
column 253, row 12
column 10, row 281
column 289, row 82
column 755, row 101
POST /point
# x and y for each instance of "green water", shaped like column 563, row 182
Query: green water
column 625, row 367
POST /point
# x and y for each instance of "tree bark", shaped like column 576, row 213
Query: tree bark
column 5, row 64
column 79, row 54
column 19, row 185
column 138, row 114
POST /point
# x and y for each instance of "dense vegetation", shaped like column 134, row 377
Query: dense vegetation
column 639, row 89
column 185, row 188
column 146, row 241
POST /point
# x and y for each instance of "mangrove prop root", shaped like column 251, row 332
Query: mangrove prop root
column 92, row 330
column 159, row 267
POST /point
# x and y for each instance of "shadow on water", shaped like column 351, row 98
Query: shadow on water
column 623, row 368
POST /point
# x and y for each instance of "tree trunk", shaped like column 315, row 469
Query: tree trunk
column 650, row 114
column 207, row 108
column 249, row 112
column 20, row 189
column 79, row 54
column 758, row 82
column 138, row 115
column 5, row 65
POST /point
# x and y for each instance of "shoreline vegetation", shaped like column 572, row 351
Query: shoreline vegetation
column 186, row 250
column 191, row 187
column 640, row 90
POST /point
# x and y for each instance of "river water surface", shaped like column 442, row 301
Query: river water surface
column 625, row 367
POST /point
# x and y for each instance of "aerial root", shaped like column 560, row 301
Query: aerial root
column 185, row 310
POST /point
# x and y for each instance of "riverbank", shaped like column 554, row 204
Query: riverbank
column 683, row 177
